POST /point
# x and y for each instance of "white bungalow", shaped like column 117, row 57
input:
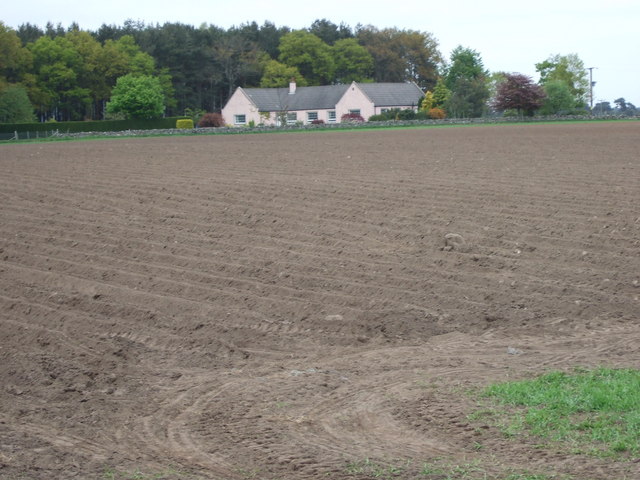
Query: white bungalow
column 272, row 106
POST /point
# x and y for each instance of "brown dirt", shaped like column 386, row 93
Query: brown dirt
column 287, row 305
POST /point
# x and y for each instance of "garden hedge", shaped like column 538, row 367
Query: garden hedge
column 92, row 126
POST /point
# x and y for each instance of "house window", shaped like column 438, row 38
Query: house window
column 332, row 116
column 311, row 116
column 292, row 118
column 240, row 120
column 354, row 112
column 384, row 110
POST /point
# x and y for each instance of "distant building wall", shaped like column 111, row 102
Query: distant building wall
column 240, row 110
column 355, row 99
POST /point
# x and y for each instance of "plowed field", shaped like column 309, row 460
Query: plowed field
column 286, row 306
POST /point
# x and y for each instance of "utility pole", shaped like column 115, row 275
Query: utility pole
column 591, row 84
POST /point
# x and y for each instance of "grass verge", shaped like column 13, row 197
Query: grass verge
column 592, row 411
column 438, row 469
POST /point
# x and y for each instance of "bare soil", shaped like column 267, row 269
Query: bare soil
column 287, row 305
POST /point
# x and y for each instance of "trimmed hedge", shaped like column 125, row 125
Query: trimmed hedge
column 184, row 124
column 92, row 126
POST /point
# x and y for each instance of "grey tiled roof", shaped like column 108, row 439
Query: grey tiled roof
column 326, row 97
column 392, row 94
column 305, row 98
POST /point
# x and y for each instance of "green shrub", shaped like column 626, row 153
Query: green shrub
column 184, row 124
column 396, row 114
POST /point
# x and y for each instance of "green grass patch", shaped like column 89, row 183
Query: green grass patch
column 592, row 411
column 168, row 474
column 440, row 469
column 373, row 469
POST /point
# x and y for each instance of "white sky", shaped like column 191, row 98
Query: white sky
column 510, row 35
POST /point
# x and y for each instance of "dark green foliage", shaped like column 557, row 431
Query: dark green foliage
column 94, row 126
column 238, row 59
column 352, row 61
column 468, row 98
column 73, row 71
column 29, row 33
column 466, row 79
column 398, row 114
column 329, row 32
column 559, row 99
column 266, row 37
column 625, row 108
column 465, row 63
column 602, row 108
column 15, row 106
column 69, row 73
column 310, row 55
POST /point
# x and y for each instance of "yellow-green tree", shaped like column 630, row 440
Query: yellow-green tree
column 278, row 74
column 568, row 69
column 441, row 94
column 427, row 102
column 137, row 96
column 15, row 60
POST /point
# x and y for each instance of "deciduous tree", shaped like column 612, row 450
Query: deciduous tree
column 464, row 63
column 137, row 97
column 353, row 62
column 427, row 102
column 278, row 74
column 441, row 94
column 518, row 92
column 15, row 60
column 558, row 99
column 466, row 78
column 602, row 108
column 402, row 55
column 238, row 58
column 57, row 64
column 15, row 106
column 568, row 69
column 310, row 55
column 468, row 99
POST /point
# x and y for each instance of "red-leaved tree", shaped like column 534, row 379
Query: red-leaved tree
column 518, row 92
column 211, row 120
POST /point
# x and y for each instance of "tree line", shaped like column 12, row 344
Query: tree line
column 59, row 73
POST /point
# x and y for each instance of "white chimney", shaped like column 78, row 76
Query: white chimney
column 292, row 86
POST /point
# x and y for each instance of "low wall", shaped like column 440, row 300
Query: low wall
column 332, row 126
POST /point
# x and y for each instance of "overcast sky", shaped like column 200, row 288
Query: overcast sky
column 510, row 36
